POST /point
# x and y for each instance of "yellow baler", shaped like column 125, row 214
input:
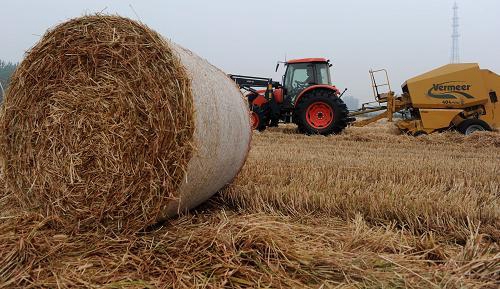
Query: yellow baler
column 460, row 96
column 455, row 95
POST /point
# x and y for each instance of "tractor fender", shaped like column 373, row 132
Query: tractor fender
column 277, row 94
column 313, row 87
column 259, row 100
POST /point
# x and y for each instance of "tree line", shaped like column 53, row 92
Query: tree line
column 6, row 70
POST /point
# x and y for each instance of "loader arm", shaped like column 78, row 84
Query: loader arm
column 250, row 82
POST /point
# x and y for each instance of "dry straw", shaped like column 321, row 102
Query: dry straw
column 223, row 249
column 306, row 212
column 97, row 125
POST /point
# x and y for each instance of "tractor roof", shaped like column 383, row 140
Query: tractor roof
column 307, row 60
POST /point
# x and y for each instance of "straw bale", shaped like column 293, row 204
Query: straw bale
column 97, row 125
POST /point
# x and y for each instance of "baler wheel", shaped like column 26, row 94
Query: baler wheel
column 470, row 126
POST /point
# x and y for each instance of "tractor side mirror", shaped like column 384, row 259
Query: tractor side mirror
column 277, row 66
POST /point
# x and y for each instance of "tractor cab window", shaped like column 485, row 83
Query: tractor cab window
column 300, row 73
column 323, row 70
column 298, row 77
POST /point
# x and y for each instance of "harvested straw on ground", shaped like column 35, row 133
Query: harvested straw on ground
column 106, row 123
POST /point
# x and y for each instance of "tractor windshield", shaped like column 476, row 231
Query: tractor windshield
column 298, row 77
column 297, row 73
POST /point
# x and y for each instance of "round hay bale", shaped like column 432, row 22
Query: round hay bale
column 107, row 124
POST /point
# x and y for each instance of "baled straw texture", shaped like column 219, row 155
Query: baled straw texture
column 97, row 124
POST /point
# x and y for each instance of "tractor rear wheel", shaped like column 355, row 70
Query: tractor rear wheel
column 470, row 126
column 321, row 112
column 258, row 118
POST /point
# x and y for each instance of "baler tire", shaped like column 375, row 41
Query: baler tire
column 470, row 126
column 324, row 100
column 419, row 133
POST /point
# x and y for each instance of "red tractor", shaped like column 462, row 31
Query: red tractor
column 306, row 97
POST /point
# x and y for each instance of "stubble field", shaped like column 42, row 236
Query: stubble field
column 368, row 208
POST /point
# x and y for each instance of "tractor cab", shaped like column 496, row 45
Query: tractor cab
column 303, row 73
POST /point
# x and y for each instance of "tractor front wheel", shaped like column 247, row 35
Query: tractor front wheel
column 321, row 112
column 258, row 118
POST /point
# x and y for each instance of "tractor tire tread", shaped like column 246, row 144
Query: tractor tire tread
column 341, row 113
column 263, row 121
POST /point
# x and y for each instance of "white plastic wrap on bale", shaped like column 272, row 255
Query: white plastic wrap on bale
column 222, row 133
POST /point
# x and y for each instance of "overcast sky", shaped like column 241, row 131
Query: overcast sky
column 408, row 37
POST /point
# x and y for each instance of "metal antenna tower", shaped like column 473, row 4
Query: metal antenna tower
column 455, row 50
